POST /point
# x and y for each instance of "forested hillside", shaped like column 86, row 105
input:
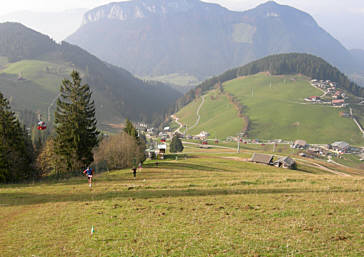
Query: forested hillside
column 33, row 64
column 308, row 65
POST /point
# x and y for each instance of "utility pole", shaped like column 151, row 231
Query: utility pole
column 238, row 149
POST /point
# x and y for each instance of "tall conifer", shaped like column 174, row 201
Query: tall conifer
column 76, row 132
column 15, row 150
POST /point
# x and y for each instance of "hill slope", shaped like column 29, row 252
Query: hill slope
column 158, row 37
column 32, row 67
column 274, row 107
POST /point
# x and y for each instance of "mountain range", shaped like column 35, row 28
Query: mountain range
column 58, row 25
column 160, row 37
column 32, row 67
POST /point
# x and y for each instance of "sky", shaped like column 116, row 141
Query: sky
column 344, row 19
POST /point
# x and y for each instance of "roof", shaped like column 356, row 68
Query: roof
column 287, row 160
column 164, row 146
column 300, row 142
column 340, row 101
column 340, row 144
column 262, row 158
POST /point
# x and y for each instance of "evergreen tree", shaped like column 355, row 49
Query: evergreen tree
column 76, row 132
column 130, row 129
column 176, row 145
column 15, row 147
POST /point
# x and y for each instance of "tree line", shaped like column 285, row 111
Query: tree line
column 281, row 64
column 73, row 143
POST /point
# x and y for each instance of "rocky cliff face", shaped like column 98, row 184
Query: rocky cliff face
column 158, row 37
column 138, row 9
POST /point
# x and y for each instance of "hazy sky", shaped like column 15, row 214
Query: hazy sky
column 342, row 18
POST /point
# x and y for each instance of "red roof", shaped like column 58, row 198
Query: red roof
column 339, row 101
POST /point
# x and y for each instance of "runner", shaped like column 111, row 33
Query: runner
column 89, row 172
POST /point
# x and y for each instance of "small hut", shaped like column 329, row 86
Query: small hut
column 262, row 158
column 286, row 162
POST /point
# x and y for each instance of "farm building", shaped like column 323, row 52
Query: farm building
column 299, row 144
column 361, row 156
column 340, row 147
column 262, row 158
column 286, row 162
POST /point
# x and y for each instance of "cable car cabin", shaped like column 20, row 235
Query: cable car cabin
column 41, row 125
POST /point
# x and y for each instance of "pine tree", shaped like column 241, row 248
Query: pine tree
column 130, row 129
column 176, row 145
column 15, row 147
column 76, row 132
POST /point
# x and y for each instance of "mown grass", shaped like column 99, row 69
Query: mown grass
column 205, row 205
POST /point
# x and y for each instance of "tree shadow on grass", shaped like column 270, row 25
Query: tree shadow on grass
column 17, row 199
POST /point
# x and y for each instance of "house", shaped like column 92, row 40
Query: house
column 262, row 158
column 162, row 148
column 338, row 102
column 166, row 129
column 340, row 147
column 203, row 134
column 361, row 156
column 312, row 99
column 286, row 162
column 299, row 144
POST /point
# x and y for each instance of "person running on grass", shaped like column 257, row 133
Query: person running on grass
column 89, row 172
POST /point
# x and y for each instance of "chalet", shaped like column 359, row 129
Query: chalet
column 286, row 163
column 262, row 158
column 340, row 147
column 299, row 144
column 313, row 99
column 338, row 102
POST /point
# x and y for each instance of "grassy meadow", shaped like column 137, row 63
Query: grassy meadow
column 276, row 109
column 41, row 77
column 205, row 203
column 218, row 116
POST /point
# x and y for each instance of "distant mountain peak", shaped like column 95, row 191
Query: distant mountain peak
column 137, row 9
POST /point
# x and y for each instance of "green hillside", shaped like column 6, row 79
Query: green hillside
column 32, row 67
column 218, row 116
column 275, row 108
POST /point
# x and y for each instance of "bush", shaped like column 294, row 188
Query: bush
column 119, row 152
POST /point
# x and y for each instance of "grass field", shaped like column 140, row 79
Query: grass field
column 202, row 205
column 218, row 116
column 276, row 109
column 38, row 87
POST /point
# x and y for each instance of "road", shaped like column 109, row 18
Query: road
column 198, row 112
column 174, row 117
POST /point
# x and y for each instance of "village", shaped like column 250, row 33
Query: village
column 331, row 94
column 300, row 148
